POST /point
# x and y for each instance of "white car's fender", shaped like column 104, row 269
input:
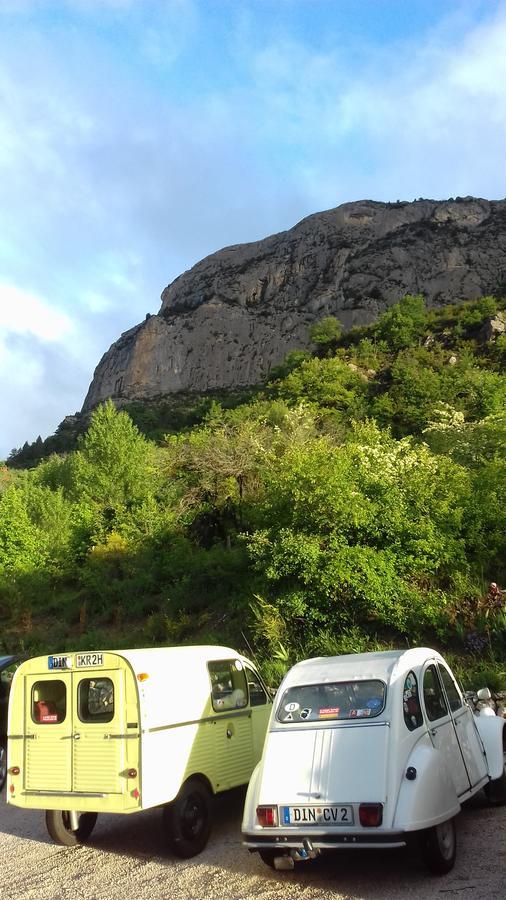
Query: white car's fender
column 427, row 794
column 490, row 729
column 250, row 804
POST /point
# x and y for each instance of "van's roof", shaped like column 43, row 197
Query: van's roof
column 358, row 666
column 158, row 655
column 153, row 659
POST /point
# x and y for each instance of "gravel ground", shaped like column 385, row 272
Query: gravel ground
column 126, row 858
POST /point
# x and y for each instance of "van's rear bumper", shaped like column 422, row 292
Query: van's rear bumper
column 290, row 841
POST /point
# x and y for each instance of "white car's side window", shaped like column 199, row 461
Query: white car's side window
column 433, row 697
column 454, row 698
column 411, row 703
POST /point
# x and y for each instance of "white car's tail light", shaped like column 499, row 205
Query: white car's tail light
column 267, row 816
column 370, row 814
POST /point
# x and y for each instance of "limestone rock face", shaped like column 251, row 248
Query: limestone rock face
column 233, row 316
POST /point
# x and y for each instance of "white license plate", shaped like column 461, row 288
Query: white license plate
column 317, row 815
column 83, row 660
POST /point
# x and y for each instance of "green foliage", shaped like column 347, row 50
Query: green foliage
column 326, row 331
column 355, row 502
column 113, row 465
column 403, row 324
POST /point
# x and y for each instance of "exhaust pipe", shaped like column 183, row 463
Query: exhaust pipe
column 283, row 863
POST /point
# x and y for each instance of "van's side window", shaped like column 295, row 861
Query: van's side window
column 452, row 693
column 435, row 703
column 257, row 695
column 95, row 700
column 228, row 684
column 49, row 702
column 411, row 702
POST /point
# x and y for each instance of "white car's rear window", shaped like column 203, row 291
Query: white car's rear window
column 331, row 701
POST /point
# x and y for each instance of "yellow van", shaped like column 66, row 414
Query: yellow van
column 123, row 731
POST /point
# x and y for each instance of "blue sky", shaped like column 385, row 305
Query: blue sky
column 136, row 136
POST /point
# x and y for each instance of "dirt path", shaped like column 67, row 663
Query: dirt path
column 126, row 859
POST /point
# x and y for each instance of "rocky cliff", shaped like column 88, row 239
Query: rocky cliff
column 235, row 314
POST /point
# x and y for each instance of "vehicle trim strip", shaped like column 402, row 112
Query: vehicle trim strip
column 61, row 794
column 203, row 721
column 298, row 726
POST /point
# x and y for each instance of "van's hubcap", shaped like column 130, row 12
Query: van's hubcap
column 194, row 816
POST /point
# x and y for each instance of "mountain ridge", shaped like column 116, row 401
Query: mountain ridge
column 233, row 316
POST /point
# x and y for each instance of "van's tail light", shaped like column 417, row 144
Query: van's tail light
column 15, row 770
column 267, row 816
column 370, row 814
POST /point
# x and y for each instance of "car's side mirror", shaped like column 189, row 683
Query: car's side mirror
column 484, row 694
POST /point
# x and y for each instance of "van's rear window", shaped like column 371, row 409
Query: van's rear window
column 49, row 702
column 330, row 701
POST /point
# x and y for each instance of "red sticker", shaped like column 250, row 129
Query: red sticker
column 49, row 717
column 329, row 711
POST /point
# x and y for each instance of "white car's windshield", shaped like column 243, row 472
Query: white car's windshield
column 330, row 701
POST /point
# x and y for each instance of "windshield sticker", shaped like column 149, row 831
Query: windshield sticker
column 328, row 712
column 291, row 707
column 359, row 713
column 306, row 712
column 59, row 662
column 288, row 717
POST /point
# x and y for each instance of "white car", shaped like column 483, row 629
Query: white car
column 366, row 750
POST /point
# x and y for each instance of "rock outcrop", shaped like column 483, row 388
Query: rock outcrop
column 235, row 314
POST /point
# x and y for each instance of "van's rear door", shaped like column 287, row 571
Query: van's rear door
column 75, row 732
column 98, row 741
column 48, row 732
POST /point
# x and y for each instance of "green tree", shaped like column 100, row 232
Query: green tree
column 326, row 331
column 114, row 465
column 404, row 323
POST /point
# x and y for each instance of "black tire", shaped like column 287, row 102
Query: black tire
column 58, row 826
column 439, row 847
column 3, row 763
column 187, row 820
column 495, row 791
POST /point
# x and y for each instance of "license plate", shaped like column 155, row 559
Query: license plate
column 83, row 660
column 317, row 815
column 59, row 662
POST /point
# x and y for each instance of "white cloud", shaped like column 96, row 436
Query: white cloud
column 26, row 313
column 112, row 184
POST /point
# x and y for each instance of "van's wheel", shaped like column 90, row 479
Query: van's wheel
column 59, row 828
column 187, row 820
column 3, row 763
column 439, row 847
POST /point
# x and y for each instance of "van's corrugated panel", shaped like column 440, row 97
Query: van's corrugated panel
column 47, row 765
column 98, row 765
column 234, row 756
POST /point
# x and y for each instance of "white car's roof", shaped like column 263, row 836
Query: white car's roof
column 358, row 666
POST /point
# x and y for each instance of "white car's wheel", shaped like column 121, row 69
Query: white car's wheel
column 439, row 847
column 496, row 790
